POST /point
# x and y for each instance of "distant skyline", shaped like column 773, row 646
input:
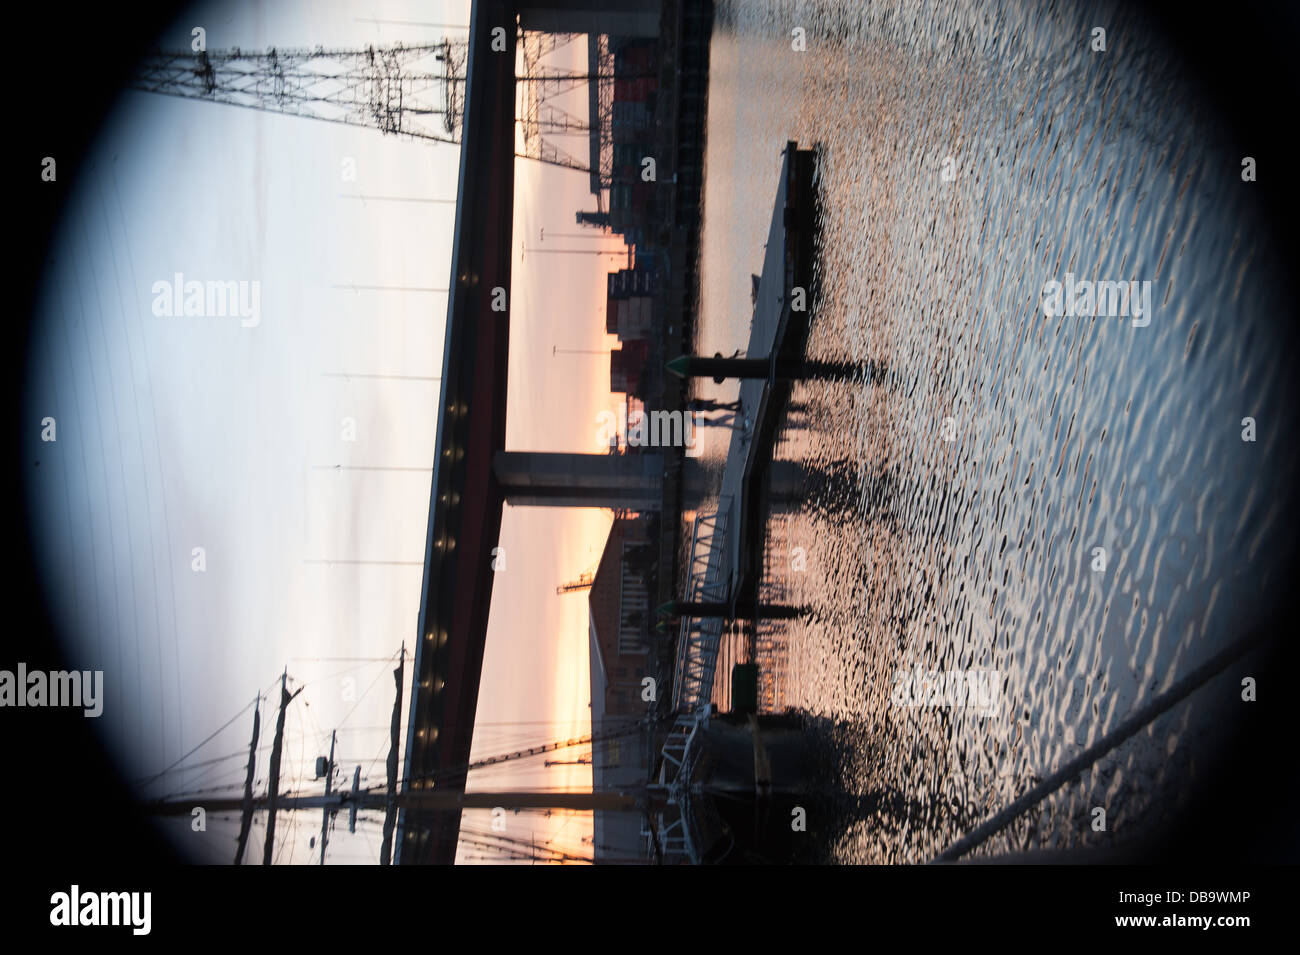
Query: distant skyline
column 213, row 476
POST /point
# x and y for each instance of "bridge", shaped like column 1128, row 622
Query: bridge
column 474, row 475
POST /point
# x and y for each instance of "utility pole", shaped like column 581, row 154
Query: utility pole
column 325, row 813
column 246, row 811
column 395, row 733
column 633, row 799
column 354, row 803
column 273, row 794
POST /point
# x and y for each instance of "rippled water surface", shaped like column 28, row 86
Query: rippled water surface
column 949, row 514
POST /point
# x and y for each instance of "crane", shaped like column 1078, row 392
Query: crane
column 583, row 582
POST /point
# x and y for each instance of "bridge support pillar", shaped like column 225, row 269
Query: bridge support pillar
column 550, row 479
column 639, row 18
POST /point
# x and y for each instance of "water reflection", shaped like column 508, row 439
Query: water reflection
column 1069, row 500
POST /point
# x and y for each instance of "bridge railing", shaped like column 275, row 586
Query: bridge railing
column 676, row 830
column 699, row 640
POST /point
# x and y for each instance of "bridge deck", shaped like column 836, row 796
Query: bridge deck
column 465, row 502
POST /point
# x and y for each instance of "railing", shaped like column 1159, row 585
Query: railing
column 699, row 639
column 675, row 830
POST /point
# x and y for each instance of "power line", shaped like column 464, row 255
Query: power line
column 377, row 563
column 364, row 198
column 413, row 23
column 391, row 288
column 192, row 751
column 341, row 660
column 351, row 375
column 367, row 467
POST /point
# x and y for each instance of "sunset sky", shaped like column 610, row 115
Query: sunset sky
column 182, row 433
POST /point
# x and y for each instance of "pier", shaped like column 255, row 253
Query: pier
column 726, row 560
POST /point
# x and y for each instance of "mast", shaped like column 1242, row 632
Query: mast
column 273, row 794
column 390, row 813
column 246, row 813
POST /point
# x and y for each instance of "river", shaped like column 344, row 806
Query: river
column 1075, row 503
